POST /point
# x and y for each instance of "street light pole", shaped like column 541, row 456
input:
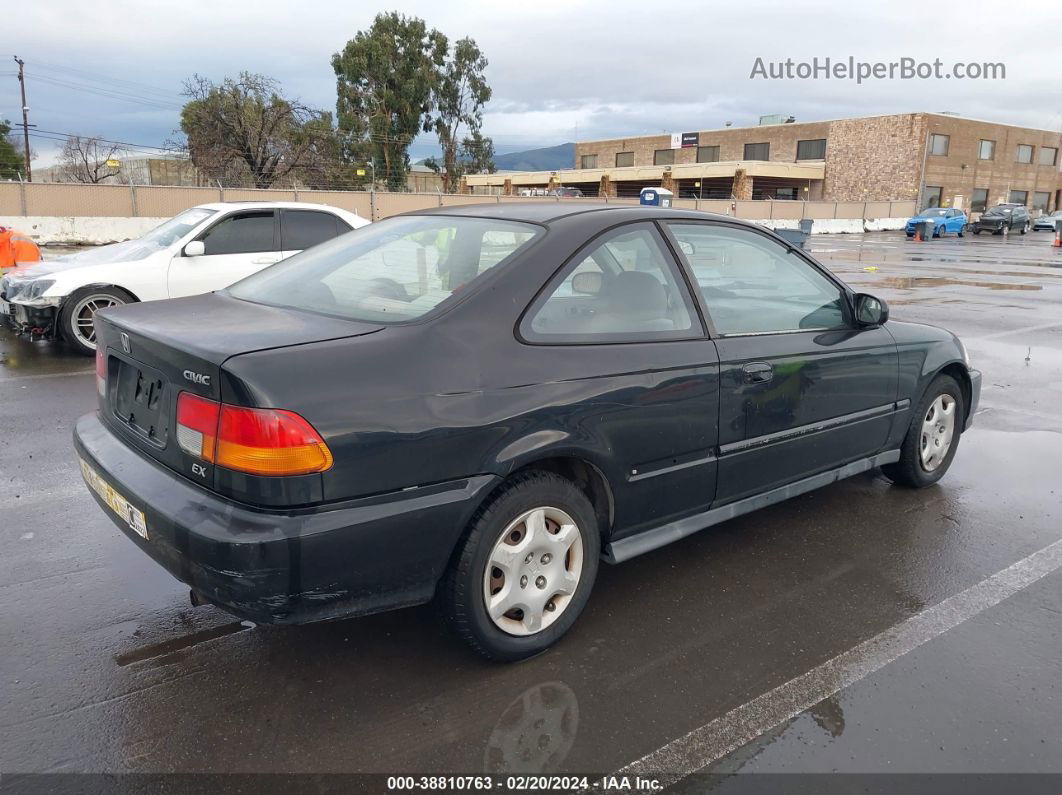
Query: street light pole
column 25, row 116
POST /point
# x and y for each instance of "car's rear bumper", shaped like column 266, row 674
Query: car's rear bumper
column 365, row 556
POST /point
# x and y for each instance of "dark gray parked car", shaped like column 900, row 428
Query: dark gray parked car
column 1004, row 217
column 476, row 405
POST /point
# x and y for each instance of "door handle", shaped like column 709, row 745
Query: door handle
column 757, row 373
column 265, row 260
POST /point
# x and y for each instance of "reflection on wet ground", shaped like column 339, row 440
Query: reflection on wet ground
column 105, row 666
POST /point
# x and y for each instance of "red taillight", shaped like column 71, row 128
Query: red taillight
column 101, row 371
column 270, row 442
column 197, row 425
column 257, row 441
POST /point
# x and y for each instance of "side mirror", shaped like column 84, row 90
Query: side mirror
column 870, row 311
column 687, row 248
column 195, row 249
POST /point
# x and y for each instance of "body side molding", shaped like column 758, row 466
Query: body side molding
column 627, row 548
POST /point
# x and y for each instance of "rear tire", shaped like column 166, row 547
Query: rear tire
column 78, row 311
column 933, row 436
column 532, row 548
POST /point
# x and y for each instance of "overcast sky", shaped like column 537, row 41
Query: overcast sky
column 561, row 70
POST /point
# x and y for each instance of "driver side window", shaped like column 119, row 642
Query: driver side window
column 753, row 285
column 241, row 233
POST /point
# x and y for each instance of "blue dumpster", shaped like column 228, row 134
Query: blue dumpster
column 655, row 197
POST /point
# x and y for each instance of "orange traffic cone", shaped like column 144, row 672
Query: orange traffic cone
column 1058, row 236
column 918, row 232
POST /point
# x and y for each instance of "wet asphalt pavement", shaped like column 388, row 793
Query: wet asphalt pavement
column 105, row 666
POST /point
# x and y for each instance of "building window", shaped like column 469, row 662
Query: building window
column 624, row 159
column 758, row 151
column 932, row 196
column 663, row 157
column 938, row 144
column 1025, row 152
column 986, row 150
column 1040, row 200
column 1048, row 155
column 979, row 200
column 1018, row 197
column 811, row 150
column 707, row 154
column 588, row 161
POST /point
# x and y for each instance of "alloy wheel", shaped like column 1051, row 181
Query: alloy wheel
column 81, row 318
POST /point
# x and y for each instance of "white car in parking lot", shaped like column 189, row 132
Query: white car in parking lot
column 203, row 249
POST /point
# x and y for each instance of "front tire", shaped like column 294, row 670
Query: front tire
column 1025, row 228
column 79, row 309
column 525, row 569
column 933, row 437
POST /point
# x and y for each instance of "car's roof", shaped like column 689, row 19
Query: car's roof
column 271, row 205
column 547, row 211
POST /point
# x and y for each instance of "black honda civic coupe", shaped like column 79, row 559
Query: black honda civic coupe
column 478, row 404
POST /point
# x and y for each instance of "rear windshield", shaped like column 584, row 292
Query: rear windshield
column 389, row 271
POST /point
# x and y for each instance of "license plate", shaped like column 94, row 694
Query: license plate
column 5, row 308
column 115, row 501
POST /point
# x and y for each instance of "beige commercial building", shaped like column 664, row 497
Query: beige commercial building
column 931, row 158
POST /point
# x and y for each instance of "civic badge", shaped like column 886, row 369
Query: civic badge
column 125, row 343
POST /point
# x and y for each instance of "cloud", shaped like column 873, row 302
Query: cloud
column 559, row 69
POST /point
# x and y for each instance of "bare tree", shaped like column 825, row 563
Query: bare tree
column 85, row 160
column 243, row 127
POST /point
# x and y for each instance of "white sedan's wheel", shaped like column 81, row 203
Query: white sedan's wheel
column 533, row 571
column 77, row 318
column 82, row 317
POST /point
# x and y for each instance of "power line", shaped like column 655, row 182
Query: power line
column 112, row 94
column 95, row 76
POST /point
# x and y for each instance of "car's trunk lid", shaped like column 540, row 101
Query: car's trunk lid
column 154, row 351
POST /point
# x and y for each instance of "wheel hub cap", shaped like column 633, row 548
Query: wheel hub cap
column 533, row 571
column 938, row 428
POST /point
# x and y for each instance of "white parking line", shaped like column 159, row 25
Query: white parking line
column 706, row 744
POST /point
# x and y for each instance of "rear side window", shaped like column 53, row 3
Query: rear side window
column 390, row 271
column 302, row 229
column 241, row 233
column 622, row 288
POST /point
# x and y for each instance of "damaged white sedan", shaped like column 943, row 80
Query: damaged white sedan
column 203, row 249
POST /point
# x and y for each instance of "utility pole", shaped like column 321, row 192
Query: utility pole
column 25, row 115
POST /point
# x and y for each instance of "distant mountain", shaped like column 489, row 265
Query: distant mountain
column 550, row 158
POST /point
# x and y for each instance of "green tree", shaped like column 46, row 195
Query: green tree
column 12, row 163
column 385, row 77
column 477, row 152
column 244, row 129
column 459, row 94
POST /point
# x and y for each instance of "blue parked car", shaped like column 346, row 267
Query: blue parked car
column 945, row 219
